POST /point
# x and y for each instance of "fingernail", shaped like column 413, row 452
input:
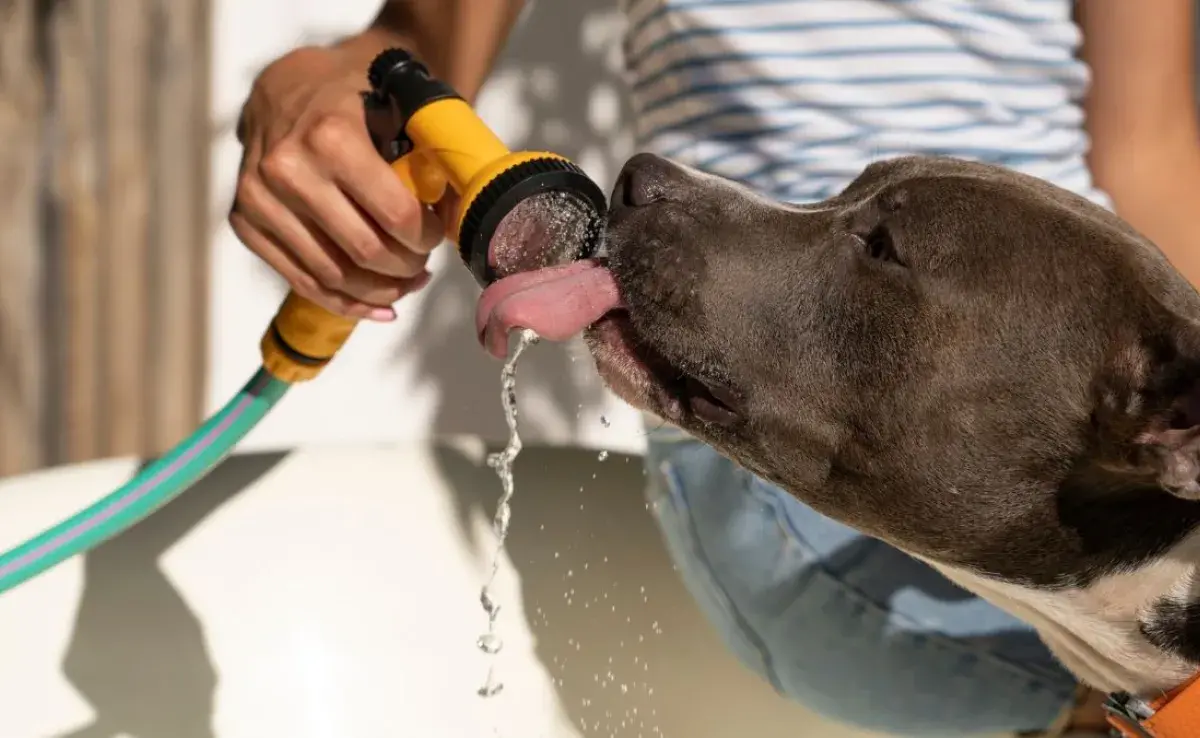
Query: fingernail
column 381, row 315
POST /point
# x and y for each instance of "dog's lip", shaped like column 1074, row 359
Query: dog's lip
column 712, row 401
column 626, row 367
column 640, row 374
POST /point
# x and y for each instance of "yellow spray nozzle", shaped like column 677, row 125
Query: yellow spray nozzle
column 440, row 128
column 435, row 140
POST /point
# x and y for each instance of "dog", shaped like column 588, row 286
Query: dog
column 984, row 370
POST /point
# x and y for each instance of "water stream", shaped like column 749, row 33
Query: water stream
column 490, row 642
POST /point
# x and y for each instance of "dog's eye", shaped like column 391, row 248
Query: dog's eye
column 877, row 244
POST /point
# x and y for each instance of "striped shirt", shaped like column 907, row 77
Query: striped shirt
column 795, row 97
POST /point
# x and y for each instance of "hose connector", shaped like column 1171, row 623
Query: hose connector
column 302, row 339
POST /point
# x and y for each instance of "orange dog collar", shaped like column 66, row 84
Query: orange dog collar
column 1175, row 715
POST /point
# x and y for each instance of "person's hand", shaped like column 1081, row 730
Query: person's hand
column 316, row 201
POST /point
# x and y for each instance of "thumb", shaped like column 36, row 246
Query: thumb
column 447, row 211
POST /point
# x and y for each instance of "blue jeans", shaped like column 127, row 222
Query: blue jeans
column 843, row 623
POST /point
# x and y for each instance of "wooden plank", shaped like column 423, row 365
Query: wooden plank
column 128, row 155
column 180, row 219
column 22, row 345
column 126, row 32
column 76, row 181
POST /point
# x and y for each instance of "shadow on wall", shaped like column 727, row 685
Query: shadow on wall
column 631, row 654
column 138, row 653
column 560, row 74
column 619, row 658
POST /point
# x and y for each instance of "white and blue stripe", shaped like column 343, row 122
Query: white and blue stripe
column 795, row 97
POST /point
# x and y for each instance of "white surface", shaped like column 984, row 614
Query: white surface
column 557, row 88
column 334, row 593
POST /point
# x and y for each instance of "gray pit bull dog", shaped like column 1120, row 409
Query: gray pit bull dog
column 984, row 370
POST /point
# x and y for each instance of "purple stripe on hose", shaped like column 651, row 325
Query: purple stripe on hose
column 135, row 494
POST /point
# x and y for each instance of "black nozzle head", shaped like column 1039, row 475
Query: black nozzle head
column 387, row 61
column 573, row 220
column 399, row 81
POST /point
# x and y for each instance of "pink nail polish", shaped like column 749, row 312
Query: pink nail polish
column 382, row 315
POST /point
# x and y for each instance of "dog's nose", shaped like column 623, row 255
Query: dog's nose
column 644, row 179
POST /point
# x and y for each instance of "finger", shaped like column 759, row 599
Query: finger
column 297, row 183
column 370, row 183
column 322, row 259
column 340, row 273
column 433, row 232
column 447, row 212
column 348, row 158
column 302, row 281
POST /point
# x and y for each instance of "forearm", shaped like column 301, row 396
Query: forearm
column 1142, row 120
column 1156, row 189
column 458, row 39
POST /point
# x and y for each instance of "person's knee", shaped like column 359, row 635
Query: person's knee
column 810, row 635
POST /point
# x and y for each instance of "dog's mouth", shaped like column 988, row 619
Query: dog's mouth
column 644, row 377
column 561, row 302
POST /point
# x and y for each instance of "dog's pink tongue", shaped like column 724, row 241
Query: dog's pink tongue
column 556, row 303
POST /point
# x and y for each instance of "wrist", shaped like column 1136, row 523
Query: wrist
column 359, row 50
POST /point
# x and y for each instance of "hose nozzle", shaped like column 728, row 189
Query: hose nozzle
column 417, row 114
column 517, row 210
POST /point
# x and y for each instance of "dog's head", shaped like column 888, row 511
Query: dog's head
column 972, row 364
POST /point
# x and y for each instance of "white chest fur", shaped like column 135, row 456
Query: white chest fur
column 1094, row 631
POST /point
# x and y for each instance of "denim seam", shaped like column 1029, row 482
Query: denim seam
column 751, row 634
column 930, row 629
column 949, row 644
column 788, row 527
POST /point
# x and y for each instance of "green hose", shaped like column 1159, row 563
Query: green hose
column 158, row 484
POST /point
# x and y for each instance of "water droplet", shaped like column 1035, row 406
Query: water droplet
column 605, row 422
column 491, row 687
column 490, row 643
column 602, row 456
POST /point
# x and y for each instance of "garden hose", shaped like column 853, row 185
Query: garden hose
column 157, row 484
column 433, row 139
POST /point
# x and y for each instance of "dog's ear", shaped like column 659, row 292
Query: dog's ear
column 1171, row 449
column 1166, row 442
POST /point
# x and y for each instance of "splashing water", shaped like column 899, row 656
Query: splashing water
column 490, row 642
column 543, row 230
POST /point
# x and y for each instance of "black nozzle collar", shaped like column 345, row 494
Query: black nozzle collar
column 397, row 76
column 510, row 188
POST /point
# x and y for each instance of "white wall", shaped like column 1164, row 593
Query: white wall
column 557, row 88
